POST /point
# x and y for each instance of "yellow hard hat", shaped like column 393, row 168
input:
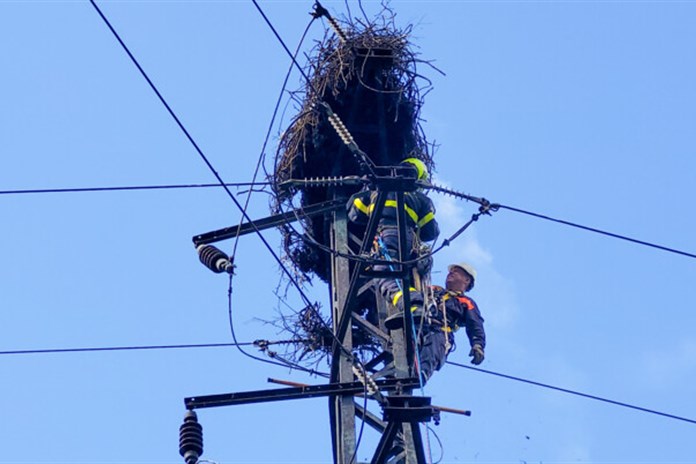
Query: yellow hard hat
column 420, row 167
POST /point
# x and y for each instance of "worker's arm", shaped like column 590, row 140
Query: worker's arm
column 428, row 229
column 472, row 320
column 359, row 207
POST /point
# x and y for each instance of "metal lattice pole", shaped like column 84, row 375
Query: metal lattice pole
column 342, row 408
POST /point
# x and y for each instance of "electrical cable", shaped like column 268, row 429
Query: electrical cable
column 257, row 358
column 573, row 392
column 439, row 442
column 238, row 344
column 333, row 118
column 485, row 209
column 134, row 187
column 488, row 206
column 202, row 155
column 294, row 62
column 161, row 98
column 598, row 231
column 362, row 422
column 271, row 123
column 256, row 171
column 141, row 347
column 285, row 47
column 347, row 352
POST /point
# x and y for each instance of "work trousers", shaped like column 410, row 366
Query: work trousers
column 432, row 350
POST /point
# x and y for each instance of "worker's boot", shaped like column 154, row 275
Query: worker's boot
column 396, row 320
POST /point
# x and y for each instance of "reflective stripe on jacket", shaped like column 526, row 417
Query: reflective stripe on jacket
column 419, row 209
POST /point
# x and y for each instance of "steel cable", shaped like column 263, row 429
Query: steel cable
column 598, row 231
column 573, row 392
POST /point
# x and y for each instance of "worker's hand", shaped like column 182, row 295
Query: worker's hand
column 477, row 354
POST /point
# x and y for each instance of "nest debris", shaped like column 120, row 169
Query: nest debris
column 314, row 340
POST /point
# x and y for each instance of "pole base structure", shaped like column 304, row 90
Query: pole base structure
column 398, row 411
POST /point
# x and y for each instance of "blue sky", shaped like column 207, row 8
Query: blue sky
column 583, row 111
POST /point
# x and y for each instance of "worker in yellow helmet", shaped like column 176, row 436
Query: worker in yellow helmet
column 421, row 226
column 421, row 168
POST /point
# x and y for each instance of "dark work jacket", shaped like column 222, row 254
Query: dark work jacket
column 419, row 209
column 461, row 311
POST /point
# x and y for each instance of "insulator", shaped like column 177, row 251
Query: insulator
column 372, row 387
column 341, row 129
column 337, row 29
column 191, row 438
column 324, row 181
column 214, row 259
column 320, row 11
column 359, row 374
column 365, row 379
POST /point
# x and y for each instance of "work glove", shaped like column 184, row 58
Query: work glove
column 477, row 354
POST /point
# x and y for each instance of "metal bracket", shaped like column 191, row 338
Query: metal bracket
column 410, row 409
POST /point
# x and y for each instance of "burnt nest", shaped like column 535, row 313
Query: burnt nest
column 370, row 81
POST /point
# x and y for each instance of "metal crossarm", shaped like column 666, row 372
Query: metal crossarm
column 267, row 223
column 293, row 393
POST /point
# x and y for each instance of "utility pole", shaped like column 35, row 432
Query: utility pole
column 391, row 385
column 369, row 78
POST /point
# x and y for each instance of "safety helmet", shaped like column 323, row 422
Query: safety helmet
column 468, row 268
column 420, row 167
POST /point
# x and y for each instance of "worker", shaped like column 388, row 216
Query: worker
column 421, row 226
column 450, row 310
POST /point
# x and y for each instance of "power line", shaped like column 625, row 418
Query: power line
column 271, row 123
column 310, row 86
column 270, row 249
column 261, row 344
column 266, row 342
column 573, row 392
column 265, row 184
column 285, row 47
column 598, row 231
column 258, row 343
column 277, row 361
column 132, row 187
column 259, row 163
column 128, row 348
column 201, row 154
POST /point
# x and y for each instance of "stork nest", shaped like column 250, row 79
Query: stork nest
column 370, row 81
